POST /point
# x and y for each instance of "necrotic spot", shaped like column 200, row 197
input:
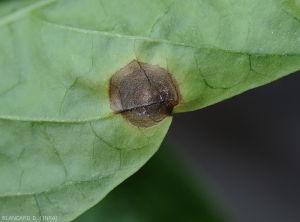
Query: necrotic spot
column 144, row 94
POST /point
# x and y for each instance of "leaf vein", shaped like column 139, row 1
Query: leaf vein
column 54, row 188
column 55, row 150
column 23, row 12
column 143, row 38
column 286, row 12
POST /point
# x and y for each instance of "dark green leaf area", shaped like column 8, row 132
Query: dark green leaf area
column 162, row 190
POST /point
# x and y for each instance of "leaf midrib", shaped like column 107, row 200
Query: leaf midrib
column 132, row 37
column 53, row 120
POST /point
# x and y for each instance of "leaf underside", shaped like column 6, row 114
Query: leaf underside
column 62, row 149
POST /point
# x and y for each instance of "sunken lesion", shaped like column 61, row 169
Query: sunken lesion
column 144, row 94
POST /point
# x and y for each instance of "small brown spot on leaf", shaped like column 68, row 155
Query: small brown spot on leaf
column 144, row 94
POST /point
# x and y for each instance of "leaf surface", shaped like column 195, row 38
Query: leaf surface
column 62, row 148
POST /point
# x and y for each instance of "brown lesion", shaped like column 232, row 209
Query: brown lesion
column 144, row 94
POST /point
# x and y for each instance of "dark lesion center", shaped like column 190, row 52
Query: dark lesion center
column 144, row 94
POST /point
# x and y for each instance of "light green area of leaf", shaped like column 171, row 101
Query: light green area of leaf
column 61, row 148
column 62, row 169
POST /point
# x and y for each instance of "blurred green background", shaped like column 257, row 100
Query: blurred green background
column 162, row 190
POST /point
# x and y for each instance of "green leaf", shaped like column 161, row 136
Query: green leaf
column 62, row 149
column 63, row 168
column 162, row 190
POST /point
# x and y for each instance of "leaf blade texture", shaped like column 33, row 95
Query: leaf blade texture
column 62, row 149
